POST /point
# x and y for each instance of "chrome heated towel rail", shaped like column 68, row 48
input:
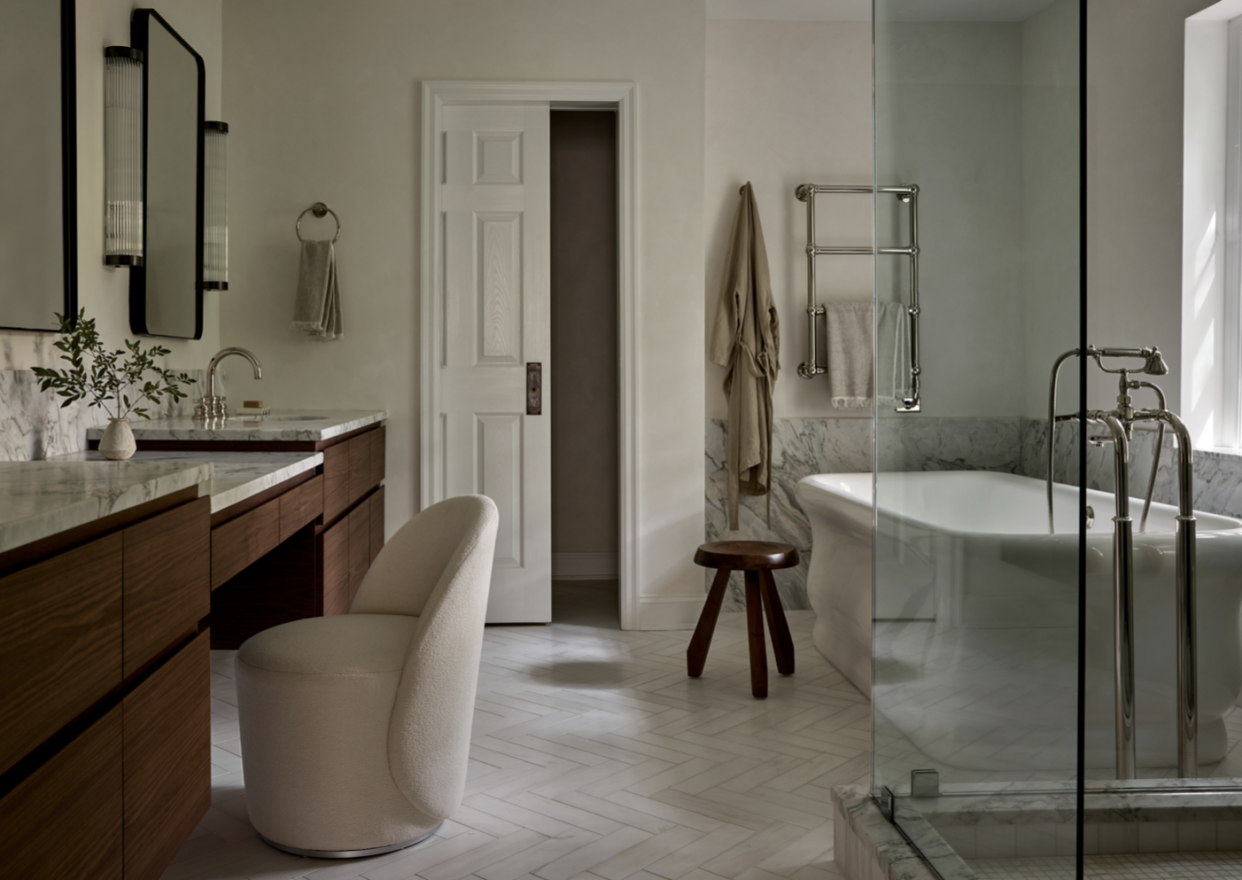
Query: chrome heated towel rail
column 908, row 195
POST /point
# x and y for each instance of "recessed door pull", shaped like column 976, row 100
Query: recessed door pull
column 534, row 389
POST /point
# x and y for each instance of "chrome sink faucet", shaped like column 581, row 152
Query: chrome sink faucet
column 210, row 407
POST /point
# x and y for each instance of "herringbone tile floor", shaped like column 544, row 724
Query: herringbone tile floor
column 594, row 757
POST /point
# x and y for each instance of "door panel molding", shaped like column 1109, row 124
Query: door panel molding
column 492, row 154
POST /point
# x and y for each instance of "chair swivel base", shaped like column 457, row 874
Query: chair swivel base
column 349, row 853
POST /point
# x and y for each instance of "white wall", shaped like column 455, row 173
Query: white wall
column 789, row 102
column 323, row 102
column 1203, row 228
column 1050, row 200
column 102, row 291
column 1136, row 58
column 949, row 119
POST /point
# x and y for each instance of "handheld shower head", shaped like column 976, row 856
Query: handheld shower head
column 1155, row 365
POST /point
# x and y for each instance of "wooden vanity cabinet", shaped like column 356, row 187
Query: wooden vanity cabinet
column 105, row 678
column 377, row 522
column 65, row 819
column 167, row 759
column 166, row 580
column 60, row 643
column 328, row 531
column 347, row 549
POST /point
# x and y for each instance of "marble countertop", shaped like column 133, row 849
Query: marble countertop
column 235, row 476
column 300, row 426
column 43, row 498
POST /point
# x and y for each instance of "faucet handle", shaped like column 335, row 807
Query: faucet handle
column 210, row 407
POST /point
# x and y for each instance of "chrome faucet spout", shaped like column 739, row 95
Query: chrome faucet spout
column 211, row 405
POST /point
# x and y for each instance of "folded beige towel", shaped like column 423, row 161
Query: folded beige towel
column 852, row 380
column 317, row 309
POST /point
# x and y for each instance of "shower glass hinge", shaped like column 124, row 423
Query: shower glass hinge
column 924, row 783
column 888, row 802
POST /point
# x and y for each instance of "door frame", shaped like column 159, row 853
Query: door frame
column 437, row 94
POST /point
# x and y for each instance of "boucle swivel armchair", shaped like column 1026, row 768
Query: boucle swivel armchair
column 355, row 729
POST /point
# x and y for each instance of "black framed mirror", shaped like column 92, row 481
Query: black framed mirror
column 166, row 291
column 38, row 175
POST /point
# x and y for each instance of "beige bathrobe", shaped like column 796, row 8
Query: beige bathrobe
column 746, row 340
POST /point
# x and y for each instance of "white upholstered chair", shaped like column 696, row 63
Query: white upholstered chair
column 355, row 729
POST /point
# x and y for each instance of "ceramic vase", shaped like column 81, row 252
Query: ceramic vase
column 117, row 443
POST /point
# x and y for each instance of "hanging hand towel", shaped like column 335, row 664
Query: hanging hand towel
column 318, row 306
column 892, row 357
column 746, row 339
column 852, row 379
column 849, row 358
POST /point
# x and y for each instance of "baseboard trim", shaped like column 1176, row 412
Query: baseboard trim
column 669, row 612
column 584, row 566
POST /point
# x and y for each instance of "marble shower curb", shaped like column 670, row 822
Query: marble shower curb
column 866, row 846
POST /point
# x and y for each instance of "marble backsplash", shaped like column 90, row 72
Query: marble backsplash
column 802, row 447
column 34, row 425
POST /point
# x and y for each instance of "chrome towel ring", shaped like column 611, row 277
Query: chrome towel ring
column 319, row 209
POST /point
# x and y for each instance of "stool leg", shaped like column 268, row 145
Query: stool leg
column 754, row 628
column 696, row 654
column 782, row 642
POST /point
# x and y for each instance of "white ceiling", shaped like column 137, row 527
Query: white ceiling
column 892, row 10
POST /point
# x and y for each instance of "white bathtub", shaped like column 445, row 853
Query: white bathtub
column 975, row 621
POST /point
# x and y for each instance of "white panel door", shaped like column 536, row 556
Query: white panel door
column 495, row 239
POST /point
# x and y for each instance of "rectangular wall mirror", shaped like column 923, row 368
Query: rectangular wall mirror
column 165, row 293
column 38, row 174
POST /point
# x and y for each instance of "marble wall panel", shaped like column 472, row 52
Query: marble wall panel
column 1217, row 474
column 34, row 425
column 802, row 447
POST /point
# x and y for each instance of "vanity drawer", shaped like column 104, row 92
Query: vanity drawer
column 64, row 820
column 379, row 449
column 334, row 568
column 299, row 506
column 335, row 480
column 359, row 466
column 241, row 541
column 167, row 580
column 167, row 759
column 351, row 469
column 359, row 546
column 377, row 522
column 60, row 642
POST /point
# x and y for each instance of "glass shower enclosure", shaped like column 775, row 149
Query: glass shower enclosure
column 1047, row 688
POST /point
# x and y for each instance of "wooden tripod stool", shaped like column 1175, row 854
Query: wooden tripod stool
column 757, row 559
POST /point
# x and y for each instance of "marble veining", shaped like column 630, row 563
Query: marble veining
column 34, row 425
column 867, row 845
column 44, row 498
column 298, row 426
column 236, row 476
column 1217, row 472
column 801, row 447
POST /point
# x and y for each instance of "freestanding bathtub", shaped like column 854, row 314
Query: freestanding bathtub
column 974, row 619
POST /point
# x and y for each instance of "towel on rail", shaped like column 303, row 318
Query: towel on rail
column 852, row 379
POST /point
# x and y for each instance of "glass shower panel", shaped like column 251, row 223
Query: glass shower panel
column 975, row 603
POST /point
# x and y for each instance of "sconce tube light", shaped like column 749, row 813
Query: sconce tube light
column 215, row 207
column 123, row 169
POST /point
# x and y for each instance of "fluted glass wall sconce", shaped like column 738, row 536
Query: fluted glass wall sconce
column 123, row 184
column 215, row 207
